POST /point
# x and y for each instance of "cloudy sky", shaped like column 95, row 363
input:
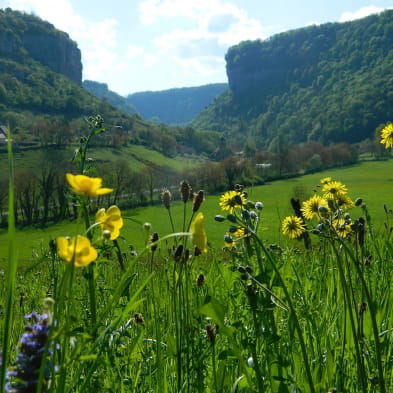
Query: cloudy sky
column 139, row 45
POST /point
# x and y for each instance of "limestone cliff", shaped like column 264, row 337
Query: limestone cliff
column 26, row 35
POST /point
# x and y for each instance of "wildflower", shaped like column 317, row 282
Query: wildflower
column 326, row 180
column 77, row 250
column 333, row 188
column 387, row 136
column 228, row 241
column 24, row 374
column 199, row 238
column 166, row 197
column 231, row 199
column 239, row 232
column 342, row 227
column 110, row 220
column 344, row 200
column 293, row 227
column 86, row 185
column 311, row 209
column 185, row 191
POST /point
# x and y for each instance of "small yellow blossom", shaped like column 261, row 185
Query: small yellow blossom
column 342, row 227
column 326, row 180
column 333, row 188
column 77, row 250
column 387, row 136
column 199, row 238
column 110, row 220
column 344, row 201
column 231, row 199
column 86, row 185
column 239, row 232
column 310, row 207
column 293, row 227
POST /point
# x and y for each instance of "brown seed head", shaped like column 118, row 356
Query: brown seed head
column 185, row 191
column 198, row 200
column 166, row 197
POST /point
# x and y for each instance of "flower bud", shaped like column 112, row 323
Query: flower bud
column 259, row 205
column 358, row 201
column 106, row 234
column 231, row 218
column 219, row 218
column 147, row 226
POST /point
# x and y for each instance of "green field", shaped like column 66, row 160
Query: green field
column 372, row 181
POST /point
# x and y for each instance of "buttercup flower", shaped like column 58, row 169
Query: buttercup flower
column 293, row 227
column 110, row 220
column 333, row 188
column 199, row 238
column 311, row 209
column 231, row 199
column 77, row 250
column 86, row 185
column 387, row 136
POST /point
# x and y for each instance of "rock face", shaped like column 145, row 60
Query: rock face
column 26, row 35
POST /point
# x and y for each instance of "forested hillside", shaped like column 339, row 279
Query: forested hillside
column 327, row 83
column 175, row 106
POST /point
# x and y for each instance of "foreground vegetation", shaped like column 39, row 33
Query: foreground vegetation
column 177, row 315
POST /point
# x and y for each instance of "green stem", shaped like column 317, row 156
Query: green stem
column 12, row 266
column 351, row 318
column 292, row 312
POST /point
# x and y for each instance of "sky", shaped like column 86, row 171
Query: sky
column 150, row 45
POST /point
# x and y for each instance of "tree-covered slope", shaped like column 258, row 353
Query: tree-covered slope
column 328, row 83
column 101, row 90
column 175, row 106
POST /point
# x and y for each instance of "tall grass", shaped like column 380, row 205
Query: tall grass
column 249, row 317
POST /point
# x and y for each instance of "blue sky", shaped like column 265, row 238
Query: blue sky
column 139, row 45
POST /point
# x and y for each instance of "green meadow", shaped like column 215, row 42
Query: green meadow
column 371, row 180
column 183, row 297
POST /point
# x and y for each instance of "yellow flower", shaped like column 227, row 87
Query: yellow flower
column 199, row 238
column 333, row 188
column 326, row 180
column 342, row 228
column 110, row 220
column 310, row 207
column 239, row 232
column 344, row 201
column 77, row 250
column 231, row 199
column 387, row 136
column 82, row 184
column 293, row 227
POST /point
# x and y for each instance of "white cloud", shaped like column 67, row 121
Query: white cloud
column 361, row 13
column 212, row 26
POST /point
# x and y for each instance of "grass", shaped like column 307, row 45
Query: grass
column 245, row 319
column 372, row 181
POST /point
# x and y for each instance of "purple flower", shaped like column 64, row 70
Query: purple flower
column 33, row 353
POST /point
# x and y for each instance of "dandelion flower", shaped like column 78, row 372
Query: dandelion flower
column 387, row 136
column 342, row 227
column 86, row 185
column 333, row 188
column 326, row 180
column 110, row 220
column 231, row 199
column 199, row 238
column 77, row 250
column 344, row 201
column 293, row 227
column 311, row 209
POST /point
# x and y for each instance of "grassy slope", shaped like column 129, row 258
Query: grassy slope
column 373, row 181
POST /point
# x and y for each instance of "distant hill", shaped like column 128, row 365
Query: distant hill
column 326, row 83
column 101, row 90
column 175, row 106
